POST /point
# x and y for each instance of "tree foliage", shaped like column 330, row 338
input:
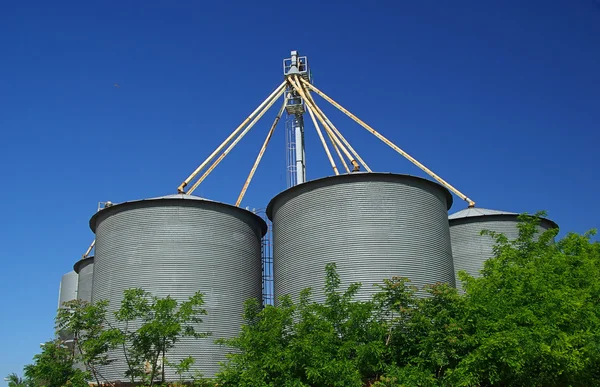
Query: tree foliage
column 92, row 335
column 53, row 367
column 531, row 319
column 336, row 343
column 151, row 327
column 534, row 316
column 15, row 380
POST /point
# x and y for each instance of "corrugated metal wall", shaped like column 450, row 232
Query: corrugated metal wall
column 470, row 249
column 85, row 271
column 67, row 291
column 372, row 225
column 170, row 246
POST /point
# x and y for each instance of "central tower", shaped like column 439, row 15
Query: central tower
column 294, row 123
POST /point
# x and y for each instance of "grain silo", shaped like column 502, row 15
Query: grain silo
column 85, row 271
column 67, row 291
column 470, row 249
column 176, row 245
column 372, row 225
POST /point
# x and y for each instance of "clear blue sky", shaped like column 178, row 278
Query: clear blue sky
column 500, row 98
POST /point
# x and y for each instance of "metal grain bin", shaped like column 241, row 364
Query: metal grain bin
column 85, row 270
column 372, row 225
column 67, row 291
column 470, row 249
column 176, row 245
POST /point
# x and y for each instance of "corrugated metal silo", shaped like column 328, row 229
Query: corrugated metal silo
column 176, row 245
column 372, row 225
column 470, row 249
column 85, row 270
column 67, row 291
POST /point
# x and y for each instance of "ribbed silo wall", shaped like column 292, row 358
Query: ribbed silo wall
column 470, row 249
column 175, row 247
column 68, row 288
column 67, row 291
column 85, row 271
column 85, row 275
column 372, row 225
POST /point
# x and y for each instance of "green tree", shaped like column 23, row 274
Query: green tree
column 15, row 380
column 337, row 343
column 437, row 335
column 93, row 338
column 53, row 367
column 182, row 368
column 160, row 323
column 263, row 356
column 533, row 318
column 424, row 335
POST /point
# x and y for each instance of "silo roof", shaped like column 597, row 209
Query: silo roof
column 178, row 196
column 477, row 212
column 78, row 264
column 472, row 212
column 354, row 176
column 71, row 273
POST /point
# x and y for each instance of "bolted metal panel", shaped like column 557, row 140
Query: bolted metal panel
column 85, row 270
column 372, row 225
column 175, row 246
column 470, row 249
column 67, row 291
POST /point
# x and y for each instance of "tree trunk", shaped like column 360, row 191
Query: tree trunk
column 125, row 334
column 154, row 368
column 163, row 361
column 88, row 365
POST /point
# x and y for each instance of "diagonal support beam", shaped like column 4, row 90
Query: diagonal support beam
column 259, row 157
column 337, row 133
column 89, row 250
column 296, row 85
column 315, row 110
column 337, row 150
column 390, row 144
column 316, row 124
column 235, row 142
column 182, row 186
column 334, row 140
